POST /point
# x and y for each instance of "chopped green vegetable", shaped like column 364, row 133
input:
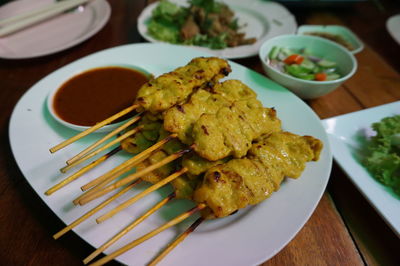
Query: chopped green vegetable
column 326, row 63
column 274, row 52
column 383, row 160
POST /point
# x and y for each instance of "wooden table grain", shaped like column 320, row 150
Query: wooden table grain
column 343, row 230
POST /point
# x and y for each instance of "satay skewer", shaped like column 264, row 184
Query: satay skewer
column 104, row 139
column 105, row 179
column 81, row 171
column 141, row 195
column 94, row 210
column 176, row 242
column 149, row 235
column 93, row 128
column 131, row 161
column 128, row 228
column 133, row 177
column 94, row 153
column 100, row 186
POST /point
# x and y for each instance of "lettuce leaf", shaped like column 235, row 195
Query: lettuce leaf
column 383, row 159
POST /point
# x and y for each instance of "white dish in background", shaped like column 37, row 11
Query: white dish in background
column 249, row 237
column 263, row 19
column 393, row 27
column 54, row 90
column 343, row 31
column 343, row 132
column 55, row 34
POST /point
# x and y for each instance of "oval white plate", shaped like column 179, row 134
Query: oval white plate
column 263, row 20
column 55, row 34
column 344, row 133
column 249, row 237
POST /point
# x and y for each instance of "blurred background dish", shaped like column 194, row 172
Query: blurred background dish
column 336, row 33
column 260, row 19
column 317, row 47
column 393, row 27
column 61, row 32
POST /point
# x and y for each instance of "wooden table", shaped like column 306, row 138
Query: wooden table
column 344, row 229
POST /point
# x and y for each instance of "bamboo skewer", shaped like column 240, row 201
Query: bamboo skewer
column 94, row 210
column 135, row 159
column 133, row 177
column 176, row 242
column 104, row 183
column 147, row 236
column 94, row 153
column 128, row 228
column 80, row 172
column 102, row 140
column 141, row 195
column 93, row 128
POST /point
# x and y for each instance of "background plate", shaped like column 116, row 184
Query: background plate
column 263, row 20
column 55, row 34
column 344, row 132
column 249, row 237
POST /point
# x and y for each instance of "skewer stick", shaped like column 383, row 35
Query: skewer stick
column 147, row 236
column 133, row 160
column 102, row 140
column 128, row 228
column 94, row 153
column 93, row 128
column 79, row 173
column 141, row 195
column 103, row 184
column 180, row 238
column 133, row 177
column 94, row 210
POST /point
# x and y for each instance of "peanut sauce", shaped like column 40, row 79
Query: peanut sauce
column 95, row 95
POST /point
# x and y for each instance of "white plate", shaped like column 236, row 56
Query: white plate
column 344, row 132
column 55, row 34
column 263, row 20
column 249, row 237
column 393, row 27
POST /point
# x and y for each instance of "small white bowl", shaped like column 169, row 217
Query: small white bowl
column 308, row 89
column 53, row 92
column 343, row 31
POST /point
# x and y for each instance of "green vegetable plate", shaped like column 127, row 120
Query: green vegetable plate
column 347, row 135
column 258, row 19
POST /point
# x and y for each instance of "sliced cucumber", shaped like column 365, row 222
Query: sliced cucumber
column 332, row 76
column 286, row 51
column 298, row 72
column 307, row 64
column 326, row 63
column 273, row 54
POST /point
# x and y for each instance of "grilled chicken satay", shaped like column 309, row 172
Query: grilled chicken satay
column 250, row 180
column 221, row 120
column 207, row 100
column 174, row 87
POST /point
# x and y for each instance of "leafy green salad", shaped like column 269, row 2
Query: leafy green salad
column 383, row 159
column 206, row 23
